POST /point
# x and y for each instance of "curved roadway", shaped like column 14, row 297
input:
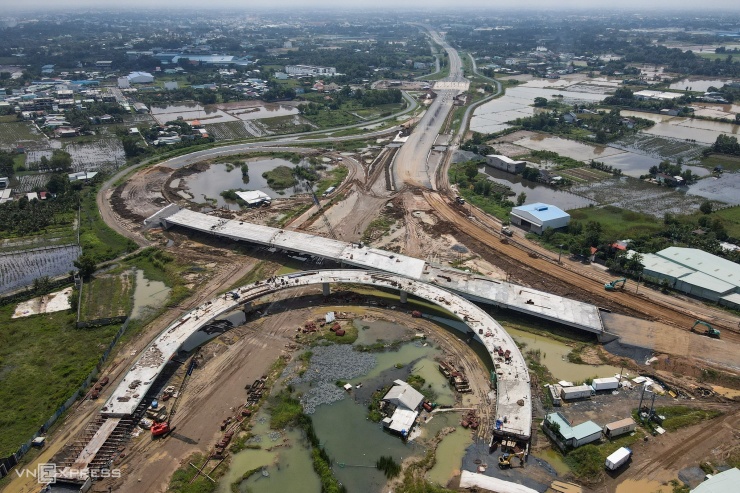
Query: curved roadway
column 513, row 396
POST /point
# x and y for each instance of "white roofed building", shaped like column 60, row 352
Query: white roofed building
column 538, row 217
column 406, row 401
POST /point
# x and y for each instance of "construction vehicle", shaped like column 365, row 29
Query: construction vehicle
column 164, row 428
column 709, row 331
column 504, row 461
column 505, row 230
column 615, row 284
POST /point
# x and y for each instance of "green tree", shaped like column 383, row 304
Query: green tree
column 60, row 160
column 706, row 207
column 86, row 266
column 58, row 183
column 521, row 198
column 540, row 102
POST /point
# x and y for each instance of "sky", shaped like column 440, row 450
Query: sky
column 650, row 6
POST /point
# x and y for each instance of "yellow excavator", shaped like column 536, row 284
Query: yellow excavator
column 504, row 461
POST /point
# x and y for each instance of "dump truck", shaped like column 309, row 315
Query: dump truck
column 618, row 458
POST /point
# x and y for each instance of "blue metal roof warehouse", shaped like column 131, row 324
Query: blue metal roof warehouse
column 538, row 217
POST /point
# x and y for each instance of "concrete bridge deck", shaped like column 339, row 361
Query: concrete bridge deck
column 475, row 287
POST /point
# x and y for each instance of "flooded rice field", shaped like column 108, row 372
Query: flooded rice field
column 701, row 131
column 517, row 102
column 723, row 189
column 148, row 295
column 221, row 113
column 19, row 269
column 636, row 195
column 537, row 192
column 207, row 186
column 190, row 112
column 565, row 147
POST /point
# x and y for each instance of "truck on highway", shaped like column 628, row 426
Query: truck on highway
column 618, row 458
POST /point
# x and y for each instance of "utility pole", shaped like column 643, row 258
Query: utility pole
column 560, row 252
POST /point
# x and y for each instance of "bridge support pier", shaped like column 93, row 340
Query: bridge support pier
column 404, row 296
column 325, row 287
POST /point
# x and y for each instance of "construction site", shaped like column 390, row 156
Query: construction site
column 392, row 245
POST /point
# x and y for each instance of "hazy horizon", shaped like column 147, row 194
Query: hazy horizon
column 423, row 6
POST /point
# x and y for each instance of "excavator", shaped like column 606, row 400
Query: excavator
column 504, row 461
column 709, row 331
column 615, row 284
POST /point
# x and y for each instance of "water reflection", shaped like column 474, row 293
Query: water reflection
column 536, row 192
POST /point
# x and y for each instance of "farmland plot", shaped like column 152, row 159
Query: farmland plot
column 24, row 134
column 659, row 147
column 101, row 155
column 229, row 131
column 33, row 158
column 636, row 195
column 19, row 269
column 29, row 182
column 584, row 174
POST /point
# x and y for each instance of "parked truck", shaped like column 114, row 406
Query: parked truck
column 618, row 458
column 577, row 392
column 620, row 427
column 609, row 383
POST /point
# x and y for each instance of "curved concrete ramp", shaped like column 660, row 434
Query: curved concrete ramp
column 513, row 397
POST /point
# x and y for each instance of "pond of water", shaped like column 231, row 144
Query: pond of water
column 148, row 295
column 699, row 84
column 640, row 486
column 286, row 459
column 190, row 112
column 536, row 192
column 450, row 450
column 210, row 183
column 554, row 355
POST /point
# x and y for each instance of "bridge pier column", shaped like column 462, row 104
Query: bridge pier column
column 325, row 287
column 404, row 297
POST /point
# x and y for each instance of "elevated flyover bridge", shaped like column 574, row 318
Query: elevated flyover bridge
column 513, row 396
column 474, row 287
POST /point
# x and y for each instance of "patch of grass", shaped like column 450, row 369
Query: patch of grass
column 730, row 220
column 182, row 479
column 291, row 213
column 377, row 228
column 107, row 296
column 285, row 411
column 728, row 163
column 159, row 265
column 586, row 462
column 97, row 238
column 617, row 222
column 36, row 377
column 335, row 178
column 280, row 178
column 682, row 416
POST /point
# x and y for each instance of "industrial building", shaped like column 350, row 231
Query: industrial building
column 505, row 163
column 538, row 217
column 557, row 427
column 140, row 78
column 723, row 482
column 697, row 273
column 406, row 401
column 309, row 70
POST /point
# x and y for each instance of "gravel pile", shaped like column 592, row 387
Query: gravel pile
column 329, row 364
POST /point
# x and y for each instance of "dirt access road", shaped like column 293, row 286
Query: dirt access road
column 594, row 289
